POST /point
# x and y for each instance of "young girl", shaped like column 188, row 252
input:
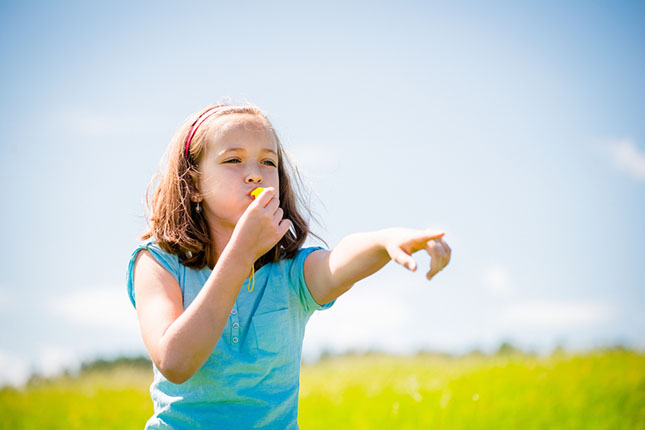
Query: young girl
column 222, row 287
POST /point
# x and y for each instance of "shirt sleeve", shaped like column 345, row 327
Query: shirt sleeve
column 297, row 279
column 170, row 262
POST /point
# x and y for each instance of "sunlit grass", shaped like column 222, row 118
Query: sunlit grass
column 602, row 390
column 107, row 399
column 597, row 390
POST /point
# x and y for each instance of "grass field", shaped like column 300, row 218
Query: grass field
column 595, row 390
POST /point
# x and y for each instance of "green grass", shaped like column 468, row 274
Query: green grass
column 601, row 390
column 596, row 390
column 107, row 399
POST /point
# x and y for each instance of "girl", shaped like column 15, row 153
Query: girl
column 221, row 285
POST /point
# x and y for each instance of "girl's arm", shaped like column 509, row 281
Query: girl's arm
column 180, row 341
column 329, row 274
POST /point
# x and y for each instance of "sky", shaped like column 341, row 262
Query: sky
column 517, row 129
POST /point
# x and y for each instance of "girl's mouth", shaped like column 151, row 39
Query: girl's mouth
column 255, row 193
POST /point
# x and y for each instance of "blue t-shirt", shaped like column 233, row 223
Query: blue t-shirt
column 251, row 378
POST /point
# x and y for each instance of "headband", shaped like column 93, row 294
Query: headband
column 199, row 121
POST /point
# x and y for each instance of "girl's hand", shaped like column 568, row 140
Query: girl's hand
column 401, row 243
column 261, row 225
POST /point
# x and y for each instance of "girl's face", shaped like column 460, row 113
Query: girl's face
column 241, row 155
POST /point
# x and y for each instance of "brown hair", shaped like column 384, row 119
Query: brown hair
column 180, row 230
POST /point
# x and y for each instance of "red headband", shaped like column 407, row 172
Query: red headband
column 199, row 121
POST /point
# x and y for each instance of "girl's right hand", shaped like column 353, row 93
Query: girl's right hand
column 261, row 225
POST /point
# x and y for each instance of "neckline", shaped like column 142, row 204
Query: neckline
column 209, row 270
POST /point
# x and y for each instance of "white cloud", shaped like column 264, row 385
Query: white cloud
column 629, row 158
column 53, row 360
column 369, row 316
column 498, row 280
column 97, row 306
column 13, row 369
column 545, row 314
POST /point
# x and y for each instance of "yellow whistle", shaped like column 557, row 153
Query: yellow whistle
column 256, row 192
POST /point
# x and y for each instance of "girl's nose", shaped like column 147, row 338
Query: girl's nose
column 254, row 177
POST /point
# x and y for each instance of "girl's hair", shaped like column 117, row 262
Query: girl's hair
column 175, row 224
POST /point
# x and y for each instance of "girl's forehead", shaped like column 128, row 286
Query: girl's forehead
column 240, row 127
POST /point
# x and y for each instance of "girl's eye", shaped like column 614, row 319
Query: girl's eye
column 237, row 160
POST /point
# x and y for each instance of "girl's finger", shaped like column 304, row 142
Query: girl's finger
column 438, row 258
column 404, row 259
column 437, row 263
column 433, row 248
column 273, row 205
column 277, row 215
column 446, row 249
column 431, row 235
column 265, row 197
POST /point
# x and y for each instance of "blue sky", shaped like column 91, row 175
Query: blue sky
column 517, row 129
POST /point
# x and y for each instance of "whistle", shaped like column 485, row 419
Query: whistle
column 256, row 192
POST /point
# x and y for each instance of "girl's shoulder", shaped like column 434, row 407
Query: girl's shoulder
column 293, row 273
column 298, row 259
column 168, row 261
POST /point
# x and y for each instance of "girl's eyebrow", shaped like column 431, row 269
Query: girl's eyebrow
column 224, row 151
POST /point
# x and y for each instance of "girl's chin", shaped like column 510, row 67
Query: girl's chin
column 230, row 215
column 226, row 221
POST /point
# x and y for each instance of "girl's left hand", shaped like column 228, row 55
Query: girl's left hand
column 401, row 243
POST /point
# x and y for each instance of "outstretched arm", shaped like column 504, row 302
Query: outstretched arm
column 329, row 274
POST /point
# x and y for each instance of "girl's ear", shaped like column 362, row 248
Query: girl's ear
column 194, row 177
